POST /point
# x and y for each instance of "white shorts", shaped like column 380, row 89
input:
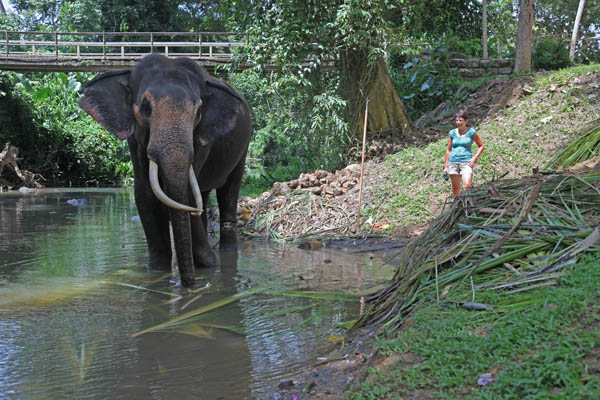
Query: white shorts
column 459, row 168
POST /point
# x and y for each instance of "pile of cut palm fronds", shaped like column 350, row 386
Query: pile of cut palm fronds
column 511, row 235
column 582, row 149
column 299, row 214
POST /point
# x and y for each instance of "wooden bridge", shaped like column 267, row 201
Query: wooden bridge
column 103, row 51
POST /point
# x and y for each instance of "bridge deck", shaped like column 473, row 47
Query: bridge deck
column 102, row 51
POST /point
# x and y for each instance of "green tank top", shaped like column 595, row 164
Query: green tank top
column 461, row 145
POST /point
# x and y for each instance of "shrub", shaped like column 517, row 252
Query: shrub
column 550, row 54
column 297, row 127
column 423, row 81
column 55, row 137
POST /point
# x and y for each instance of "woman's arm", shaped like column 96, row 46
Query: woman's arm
column 448, row 150
column 477, row 140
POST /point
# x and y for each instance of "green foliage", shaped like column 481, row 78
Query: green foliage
column 55, row 137
column 423, row 81
column 550, row 54
column 437, row 18
column 502, row 28
column 295, row 130
column 468, row 47
column 556, row 19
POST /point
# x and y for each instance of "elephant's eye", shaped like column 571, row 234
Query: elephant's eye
column 145, row 109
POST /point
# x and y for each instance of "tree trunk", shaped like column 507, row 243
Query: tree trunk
column 484, row 38
column 2, row 9
column 387, row 114
column 575, row 30
column 524, row 35
column 386, row 111
column 499, row 49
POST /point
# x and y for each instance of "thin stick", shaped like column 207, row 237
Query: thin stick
column 362, row 165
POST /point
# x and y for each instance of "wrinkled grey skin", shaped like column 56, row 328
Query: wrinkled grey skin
column 173, row 112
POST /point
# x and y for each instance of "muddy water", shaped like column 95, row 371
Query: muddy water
column 74, row 291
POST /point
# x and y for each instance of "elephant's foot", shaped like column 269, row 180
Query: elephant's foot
column 159, row 260
column 205, row 257
column 228, row 236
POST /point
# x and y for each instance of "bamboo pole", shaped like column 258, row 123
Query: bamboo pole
column 362, row 165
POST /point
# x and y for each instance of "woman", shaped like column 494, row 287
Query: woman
column 459, row 159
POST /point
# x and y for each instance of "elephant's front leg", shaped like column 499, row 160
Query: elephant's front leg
column 227, row 197
column 155, row 221
column 153, row 215
column 204, row 256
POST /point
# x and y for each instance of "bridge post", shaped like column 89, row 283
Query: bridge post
column 199, row 44
column 56, row 44
column 151, row 42
column 104, row 44
column 6, row 33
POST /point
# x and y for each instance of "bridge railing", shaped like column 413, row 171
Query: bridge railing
column 125, row 45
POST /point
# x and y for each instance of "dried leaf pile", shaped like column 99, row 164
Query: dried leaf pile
column 510, row 235
column 315, row 204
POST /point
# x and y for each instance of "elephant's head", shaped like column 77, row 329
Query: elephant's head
column 160, row 107
column 160, row 102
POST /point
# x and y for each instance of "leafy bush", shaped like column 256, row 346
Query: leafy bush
column 297, row 127
column 550, row 54
column 423, row 81
column 55, row 137
column 468, row 47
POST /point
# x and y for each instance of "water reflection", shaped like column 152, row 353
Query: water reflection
column 74, row 291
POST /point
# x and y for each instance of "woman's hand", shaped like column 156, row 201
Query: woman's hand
column 446, row 169
column 472, row 162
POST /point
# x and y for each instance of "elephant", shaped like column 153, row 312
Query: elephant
column 188, row 133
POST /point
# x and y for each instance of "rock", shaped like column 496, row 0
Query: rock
column 316, row 190
column 77, row 202
column 311, row 245
column 527, row 90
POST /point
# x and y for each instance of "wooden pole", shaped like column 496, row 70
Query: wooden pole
column 362, row 164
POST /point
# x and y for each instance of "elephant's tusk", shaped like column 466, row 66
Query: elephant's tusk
column 160, row 195
column 196, row 191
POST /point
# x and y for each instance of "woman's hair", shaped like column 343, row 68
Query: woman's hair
column 462, row 114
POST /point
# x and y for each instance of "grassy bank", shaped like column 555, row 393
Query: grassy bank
column 525, row 135
column 545, row 345
column 540, row 342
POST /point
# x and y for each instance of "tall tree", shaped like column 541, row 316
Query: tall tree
column 484, row 36
column 348, row 33
column 2, row 9
column 575, row 30
column 524, row 35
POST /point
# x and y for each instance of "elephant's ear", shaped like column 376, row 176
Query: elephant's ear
column 219, row 84
column 107, row 98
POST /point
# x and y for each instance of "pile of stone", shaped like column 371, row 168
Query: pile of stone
column 323, row 183
column 295, row 207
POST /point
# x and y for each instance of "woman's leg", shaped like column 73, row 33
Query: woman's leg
column 466, row 180
column 455, row 179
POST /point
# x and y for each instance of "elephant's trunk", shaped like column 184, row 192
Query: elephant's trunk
column 178, row 182
column 160, row 195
